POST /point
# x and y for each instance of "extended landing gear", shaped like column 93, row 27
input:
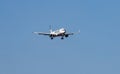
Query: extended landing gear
column 51, row 38
column 62, row 38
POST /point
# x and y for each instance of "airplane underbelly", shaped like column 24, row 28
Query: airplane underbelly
column 56, row 35
column 61, row 34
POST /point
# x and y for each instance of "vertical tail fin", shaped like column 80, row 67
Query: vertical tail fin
column 50, row 27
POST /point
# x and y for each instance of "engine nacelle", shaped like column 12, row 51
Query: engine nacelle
column 51, row 35
column 66, row 35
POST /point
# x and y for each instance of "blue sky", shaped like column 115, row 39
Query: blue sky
column 94, row 51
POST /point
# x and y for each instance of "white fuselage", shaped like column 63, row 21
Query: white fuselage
column 59, row 32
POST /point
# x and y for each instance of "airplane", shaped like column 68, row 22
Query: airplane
column 57, row 33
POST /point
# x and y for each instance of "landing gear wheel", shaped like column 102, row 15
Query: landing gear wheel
column 62, row 38
column 51, row 38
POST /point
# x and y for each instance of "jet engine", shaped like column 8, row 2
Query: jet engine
column 66, row 35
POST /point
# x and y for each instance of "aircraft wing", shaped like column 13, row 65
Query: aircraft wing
column 72, row 33
column 41, row 33
column 69, row 33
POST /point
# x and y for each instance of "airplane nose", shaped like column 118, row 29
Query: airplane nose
column 62, row 30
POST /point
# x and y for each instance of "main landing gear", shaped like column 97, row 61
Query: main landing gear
column 51, row 38
column 62, row 38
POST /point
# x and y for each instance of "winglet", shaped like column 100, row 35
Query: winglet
column 50, row 27
column 35, row 32
column 79, row 31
